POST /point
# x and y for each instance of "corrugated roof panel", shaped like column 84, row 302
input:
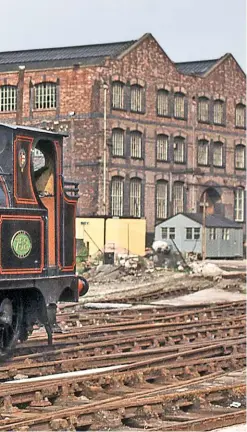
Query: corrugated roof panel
column 196, row 67
column 65, row 53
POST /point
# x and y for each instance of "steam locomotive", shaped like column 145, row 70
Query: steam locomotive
column 37, row 233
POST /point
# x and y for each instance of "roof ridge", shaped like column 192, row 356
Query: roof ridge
column 67, row 47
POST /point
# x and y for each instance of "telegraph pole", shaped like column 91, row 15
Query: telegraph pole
column 204, row 227
column 105, row 87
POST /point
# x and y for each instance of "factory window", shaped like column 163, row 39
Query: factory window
column 212, row 234
column 225, row 234
column 45, row 96
column 178, row 198
column 135, row 197
column 117, row 184
column 240, row 116
column 193, row 233
column 202, row 152
column 137, row 98
column 203, row 109
column 118, row 95
column 163, row 103
column 136, row 144
column 8, row 97
column 162, row 147
column 240, row 156
column 179, row 105
column 178, row 150
column 218, row 154
column 219, row 112
column 161, row 199
column 239, row 205
column 117, row 142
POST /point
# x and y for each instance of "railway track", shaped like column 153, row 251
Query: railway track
column 158, row 368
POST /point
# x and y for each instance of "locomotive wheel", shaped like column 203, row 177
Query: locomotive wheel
column 11, row 318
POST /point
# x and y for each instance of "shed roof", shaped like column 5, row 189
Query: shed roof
column 213, row 220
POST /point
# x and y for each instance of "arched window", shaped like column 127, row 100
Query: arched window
column 240, row 156
column 202, row 152
column 117, row 142
column 218, row 112
column 117, row 196
column 162, row 147
column 179, row 105
column 179, row 150
column 135, row 197
column 203, row 109
column 163, row 103
column 136, row 144
column 161, row 199
column 240, row 116
column 45, row 96
column 117, row 95
column 218, row 154
column 239, row 205
column 8, row 98
column 178, row 197
column 137, row 98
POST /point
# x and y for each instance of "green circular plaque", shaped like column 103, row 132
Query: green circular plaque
column 21, row 244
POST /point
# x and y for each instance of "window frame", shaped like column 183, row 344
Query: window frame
column 177, row 142
column 221, row 146
column 177, row 96
column 134, row 135
column 243, row 147
column 221, row 103
column 134, row 210
column 225, row 234
column 43, row 96
column 120, row 204
column 243, row 106
column 159, row 199
column 121, row 85
column 239, row 205
column 158, row 150
column 200, row 100
column 141, row 109
column 166, row 93
column 7, row 99
column 115, row 131
column 212, row 233
column 175, row 185
column 200, row 144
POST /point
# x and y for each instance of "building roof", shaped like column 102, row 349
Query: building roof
column 33, row 129
column 196, row 67
column 87, row 55
column 64, row 56
column 213, row 220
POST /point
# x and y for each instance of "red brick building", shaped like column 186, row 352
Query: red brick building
column 172, row 131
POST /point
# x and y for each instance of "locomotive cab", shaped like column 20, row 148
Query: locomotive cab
column 37, row 232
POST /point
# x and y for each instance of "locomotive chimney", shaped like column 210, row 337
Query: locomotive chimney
column 20, row 91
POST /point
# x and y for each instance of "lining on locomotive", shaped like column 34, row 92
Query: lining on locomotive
column 44, row 168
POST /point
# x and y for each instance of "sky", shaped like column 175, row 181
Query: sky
column 186, row 29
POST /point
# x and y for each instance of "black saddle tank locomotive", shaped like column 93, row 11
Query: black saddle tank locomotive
column 37, row 233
